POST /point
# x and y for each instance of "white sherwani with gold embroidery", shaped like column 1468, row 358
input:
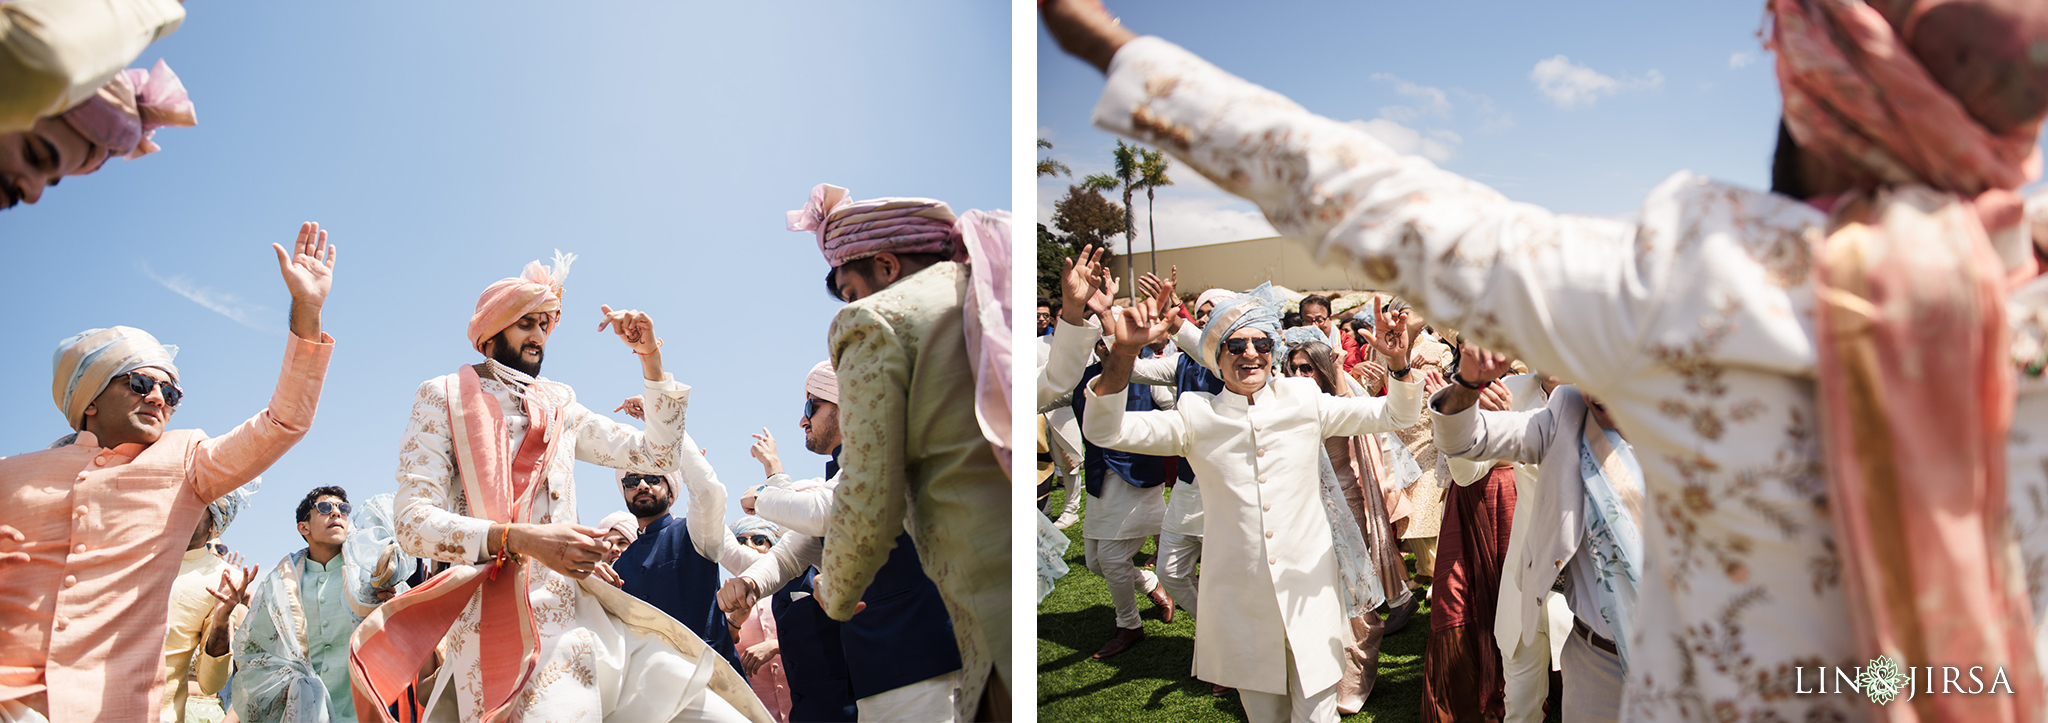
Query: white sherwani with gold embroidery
column 1694, row 325
column 1269, row 570
column 593, row 665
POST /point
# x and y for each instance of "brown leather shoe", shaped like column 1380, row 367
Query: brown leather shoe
column 1124, row 639
column 1218, row 690
column 1164, row 601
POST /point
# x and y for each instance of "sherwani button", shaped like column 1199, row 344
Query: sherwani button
column 1272, row 560
column 80, row 510
column 70, row 580
column 61, row 622
column 80, row 547
column 1267, row 507
column 1269, row 534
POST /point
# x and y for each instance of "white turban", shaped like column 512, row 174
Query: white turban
column 85, row 363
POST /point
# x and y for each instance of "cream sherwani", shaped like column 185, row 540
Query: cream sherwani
column 1693, row 324
column 1269, row 579
column 594, row 663
column 2027, row 451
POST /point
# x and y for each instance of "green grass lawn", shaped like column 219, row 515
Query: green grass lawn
column 1152, row 682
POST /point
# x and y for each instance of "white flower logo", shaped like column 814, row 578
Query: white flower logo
column 1882, row 679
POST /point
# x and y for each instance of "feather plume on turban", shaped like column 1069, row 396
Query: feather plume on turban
column 536, row 289
column 85, row 363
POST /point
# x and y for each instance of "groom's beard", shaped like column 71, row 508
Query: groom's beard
column 657, row 504
column 510, row 357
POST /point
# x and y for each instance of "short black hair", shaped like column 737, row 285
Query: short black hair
column 1316, row 299
column 1290, row 320
column 912, row 263
column 1042, row 301
column 306, row 505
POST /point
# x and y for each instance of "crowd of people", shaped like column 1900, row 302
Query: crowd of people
column 1755, row 436
column 470, row 589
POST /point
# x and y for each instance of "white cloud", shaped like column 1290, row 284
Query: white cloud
column 221, row 302
column 1741, row 59
column 1568, row 84
column 1430, row 100
column 1437, row 146
column 1201, row 221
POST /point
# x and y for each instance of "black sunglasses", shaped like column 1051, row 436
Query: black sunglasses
column 633, row 481
column 328, row 508
column 753, row 539
column 1264, row 345
column 811, row 406
column 141, row 385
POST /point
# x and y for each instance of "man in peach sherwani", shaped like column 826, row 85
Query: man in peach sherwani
column 92, row 529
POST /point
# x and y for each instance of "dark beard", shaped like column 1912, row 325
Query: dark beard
column 508, row 356
column 653, row 508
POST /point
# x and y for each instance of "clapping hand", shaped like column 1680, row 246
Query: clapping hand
column 1136, row 328
column 1160, row 294
column 1081, row 278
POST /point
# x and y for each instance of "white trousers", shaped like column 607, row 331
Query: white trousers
column 1526, row 670
column 932, row 699
column 1075, row 491
column 1592, row 683
column 1295, row 707
column 1178, row 555
column 1112, row 560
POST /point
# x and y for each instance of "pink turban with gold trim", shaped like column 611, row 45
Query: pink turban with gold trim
column 122, row 118
column 853, row 230
column 536, row 289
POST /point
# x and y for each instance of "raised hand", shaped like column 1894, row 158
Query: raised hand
column 1478, row 366
column 1390, row 334
column 764, row 450
column 1433, row 380
column 1105, row 294
column 1079, row 277
column 1085, row 30
column 1135, row 328
column 633, row 327
column 308, row 270
column 231, row 592
column 1496, row 398
column 633, row 407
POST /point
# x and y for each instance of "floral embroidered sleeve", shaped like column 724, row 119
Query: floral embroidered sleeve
column 869, row 505
column 430, row 520
column 1567, row 294
column 602, row 441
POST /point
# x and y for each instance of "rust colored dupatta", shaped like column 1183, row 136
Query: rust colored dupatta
column 389, row 648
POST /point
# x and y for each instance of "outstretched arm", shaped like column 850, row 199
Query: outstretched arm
column 1568, row 294
column 223, row 463
column 707, row 514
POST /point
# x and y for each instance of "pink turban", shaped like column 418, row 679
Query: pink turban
column 823, row 382
column 853, row 230
column 537, row 288
column 124, row 115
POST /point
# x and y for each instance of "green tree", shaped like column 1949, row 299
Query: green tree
column 1152, row 174
column 1080, row 218
column 1050, row 167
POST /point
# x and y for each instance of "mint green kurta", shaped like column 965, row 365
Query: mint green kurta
column 328, row 627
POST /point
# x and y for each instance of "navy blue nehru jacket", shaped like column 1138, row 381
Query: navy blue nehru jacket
column 1140, row 470
column 820, row 689
column 664, row 569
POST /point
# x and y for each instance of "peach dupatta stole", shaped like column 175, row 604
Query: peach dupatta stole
column 389, row 648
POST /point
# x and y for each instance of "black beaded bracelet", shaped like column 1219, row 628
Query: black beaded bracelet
column 1460, row 379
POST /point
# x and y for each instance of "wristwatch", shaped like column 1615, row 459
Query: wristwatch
column 1403, row 374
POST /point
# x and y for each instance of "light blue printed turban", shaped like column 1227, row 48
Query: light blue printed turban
column 223, row 510
column 1258, row 309
column 86, row 362
column 751, row 524
column 1292, row 339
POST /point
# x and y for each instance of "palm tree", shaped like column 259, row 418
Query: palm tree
column 1152, row 174
column 1129, row 159
column 1050, row 167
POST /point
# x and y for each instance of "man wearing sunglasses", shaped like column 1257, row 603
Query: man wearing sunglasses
column 92, row 530
column 486, row 483
column 1276, row 596
column 897, row 659
column 925, row 409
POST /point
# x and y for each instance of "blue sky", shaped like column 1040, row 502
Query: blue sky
column 447, row 144
column 1578, row 107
